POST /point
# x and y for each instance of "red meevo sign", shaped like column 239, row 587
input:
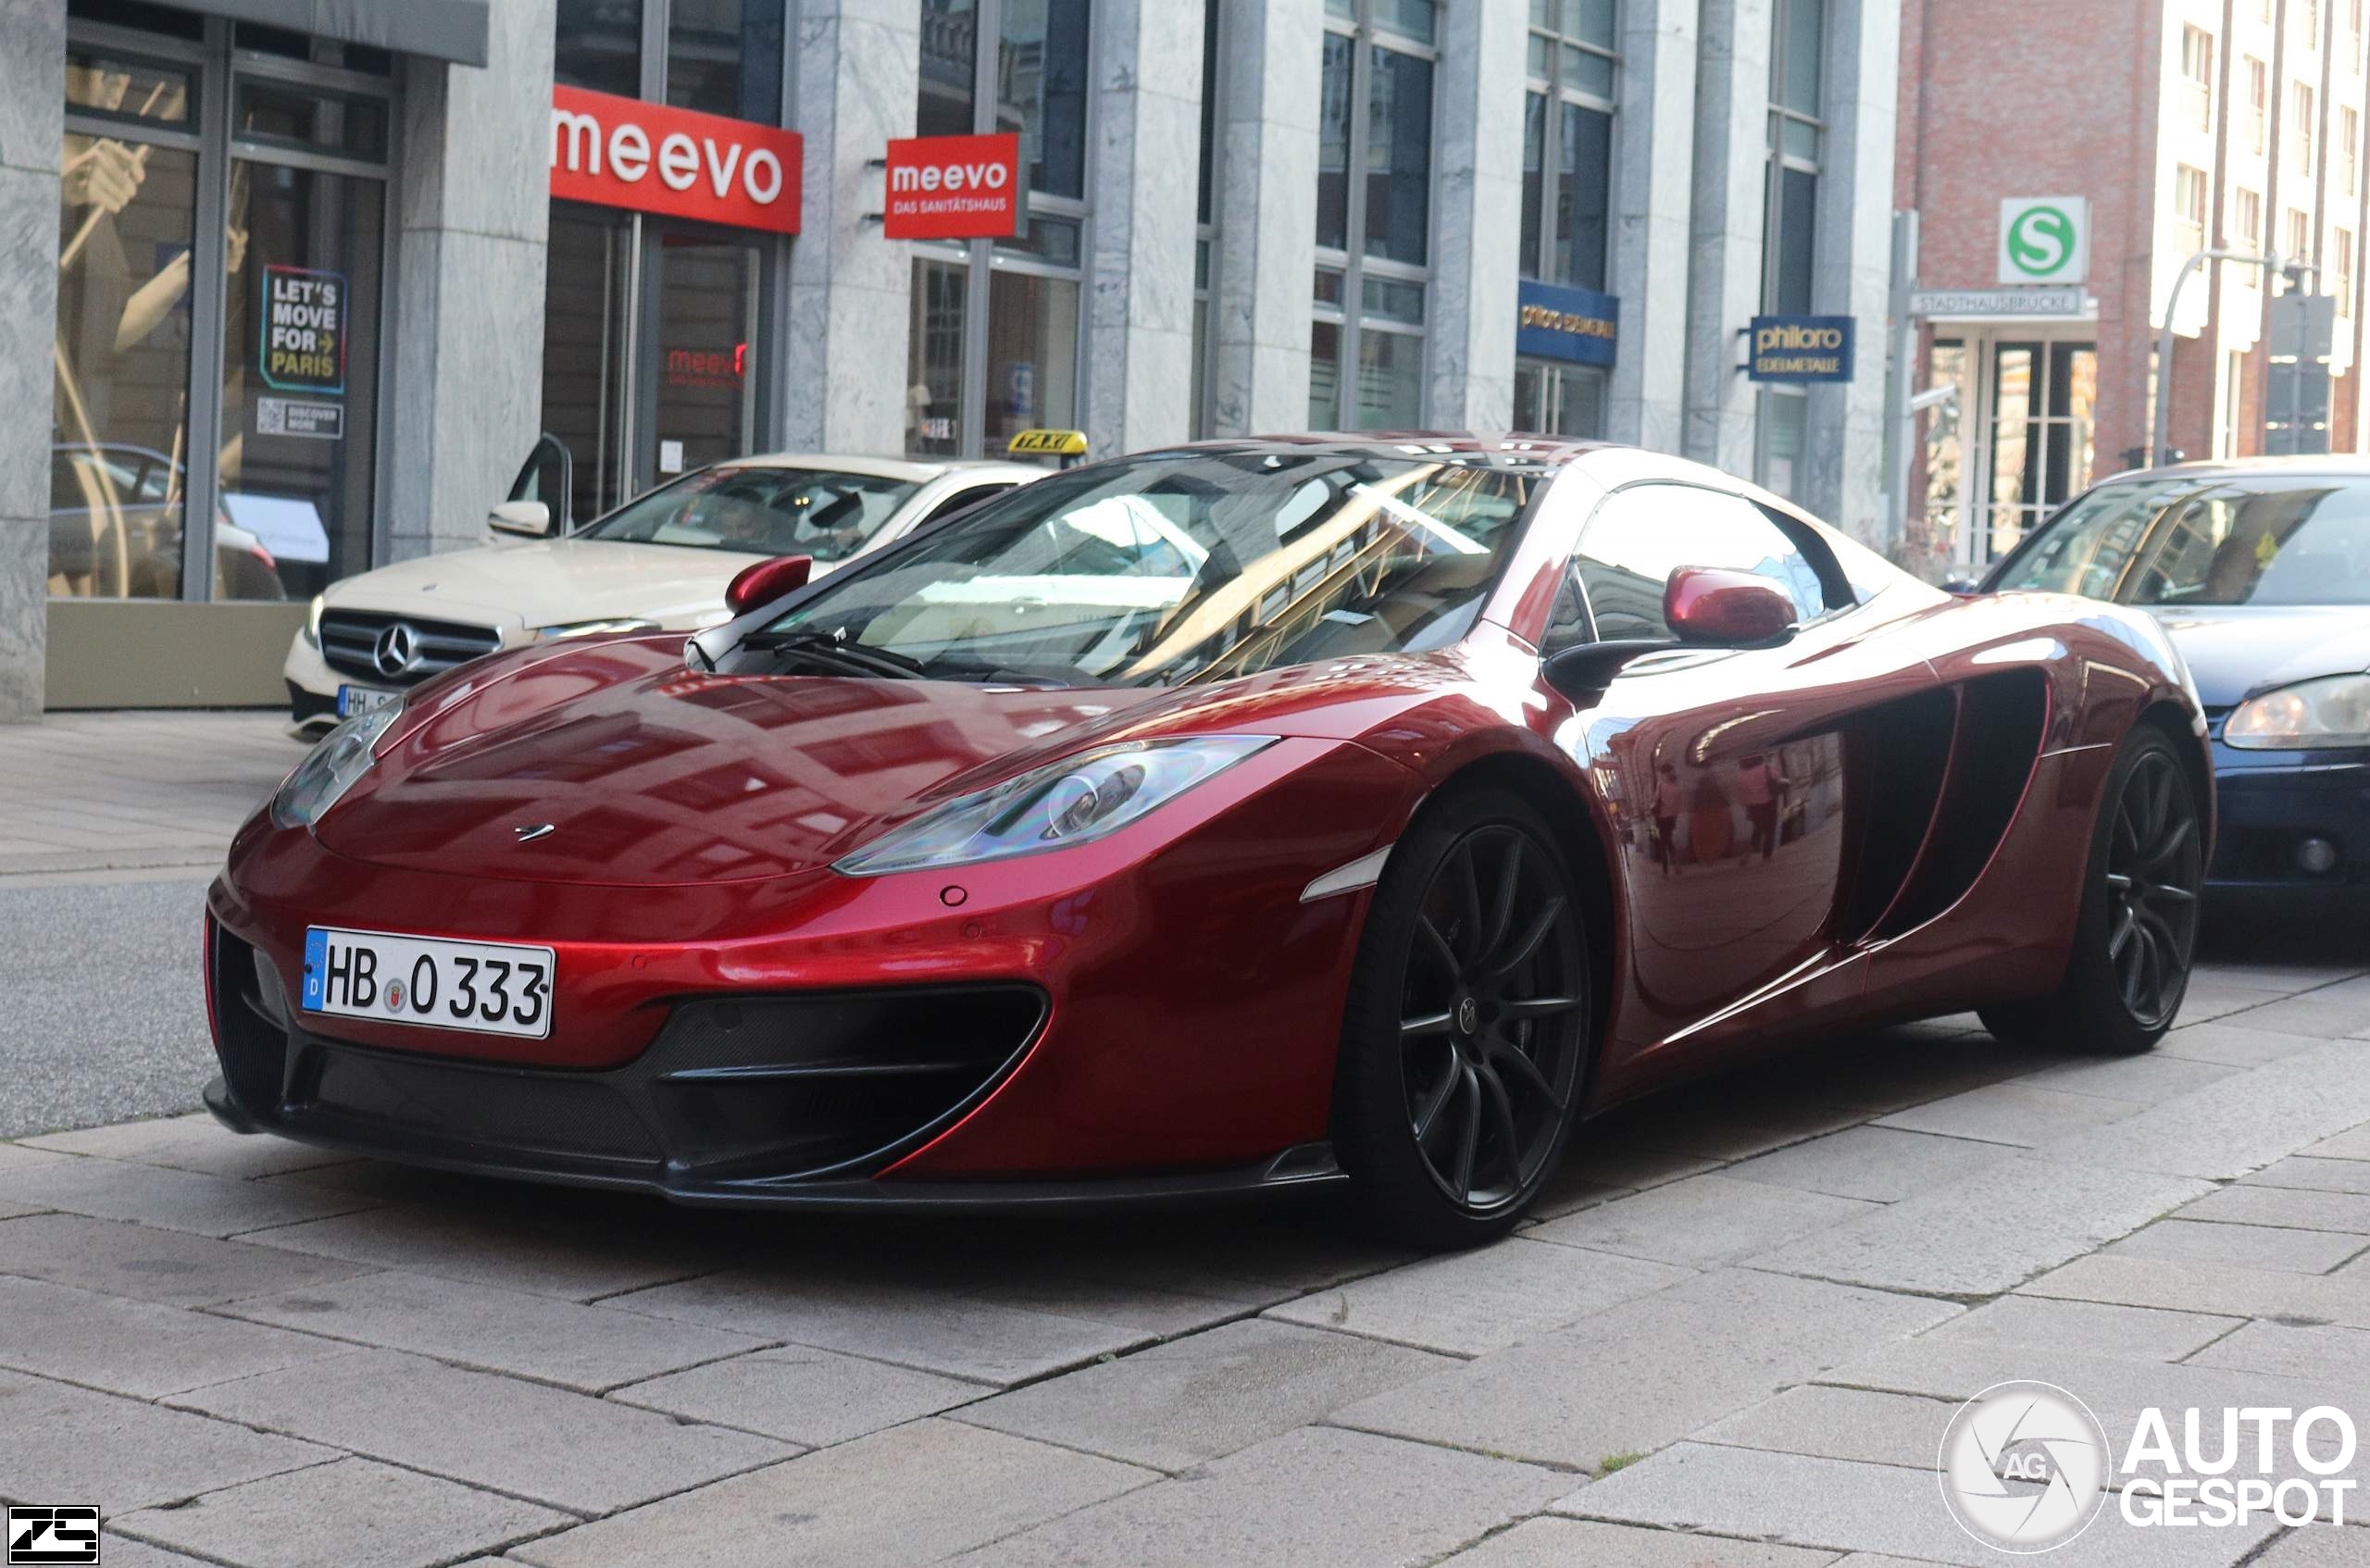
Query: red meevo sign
column 624, row 152
column 954, row 187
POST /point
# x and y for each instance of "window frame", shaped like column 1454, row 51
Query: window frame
column 1557, row 94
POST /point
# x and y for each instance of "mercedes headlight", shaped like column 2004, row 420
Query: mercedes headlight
column 1071, row 801
column 313, row 622
column 591, row 628
column 2331, row 712
column 342, row 756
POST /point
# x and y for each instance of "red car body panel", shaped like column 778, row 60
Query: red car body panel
column 1194, row 997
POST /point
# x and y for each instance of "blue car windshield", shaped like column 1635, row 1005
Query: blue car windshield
column 1182, row 565
column 2256, row 540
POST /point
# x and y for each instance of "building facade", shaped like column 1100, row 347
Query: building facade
column 2049, row 246
column 299, row 288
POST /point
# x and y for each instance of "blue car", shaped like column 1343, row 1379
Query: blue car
column 2258, row 569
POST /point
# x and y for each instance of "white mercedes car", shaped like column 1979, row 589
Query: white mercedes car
column 659, row 563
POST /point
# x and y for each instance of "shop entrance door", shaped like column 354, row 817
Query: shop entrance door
column 651, row 360
column 2037, row 406
column 1559, row 400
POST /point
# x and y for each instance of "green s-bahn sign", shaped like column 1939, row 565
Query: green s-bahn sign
column 2044, row 239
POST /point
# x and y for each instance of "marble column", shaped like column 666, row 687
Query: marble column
column 856, row 77
column 475, row 207
column 33, row 133
column 1654, row 142
column 1843, row 447
column 1723, row 282
column 1146, row 174
column 1477, row 217
column 1265, row 205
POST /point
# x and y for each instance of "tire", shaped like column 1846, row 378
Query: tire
column 1466, row 1039
column 2137, row 932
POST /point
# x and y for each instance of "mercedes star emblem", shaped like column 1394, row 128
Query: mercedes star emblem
column 397, row 650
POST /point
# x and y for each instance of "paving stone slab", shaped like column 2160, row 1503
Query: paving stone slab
column 1648, row 1372
column 2326, row 1012
column 809, row 1397
column 845, row 1507
column 72, row 1443
column 24, row 1156
column 1839, row 1504
column 119, row 1259
column 934, row 1330
column 2343, row 1297
column 2353, row 1145
column 2146, row 1079
column 1715, row 1122
column 1464, row 1303
column 1573, row 1543
column 169, row 1199
column 1855, row 1423
column 122, row 1551
column 193, row 1143
column 531, row 1440
column 2294, row 1208
column 2013, row 1114
column 591, row 1348
column 2318, row 1546
column 1702, row 1221
column 353, row 1513
column 2235, row 1044
column 2208, row 999
column 1163, row 1312
column 1316, row 1498
column 1983, row 1235
column 138, row 1348
column 1603, row 1161
column 502, row 1249
column 1880, row 1164
column 2314, row 1172
column 2097, row 1328
column 2243, row 1246
column 2333, row 1354
column 1180, row 1404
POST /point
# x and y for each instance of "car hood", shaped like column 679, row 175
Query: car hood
column 2235, row 649
column 550, row 582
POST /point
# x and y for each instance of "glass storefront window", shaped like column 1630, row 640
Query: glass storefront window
column 706, row 410
column 725, row 58
column 949, row 84
column 598, row 47
column 299, row 374
column 1559, row 400
column 1041, row 90
column 121, row 370
column 1399, row 155
column 588, row 285
column 1390, row 380
column 1325, row 376
column 1333, row 146
column 101, row 83
column 1568, row 142
column 934, row 358
column 1032, row 354
column 331, row 122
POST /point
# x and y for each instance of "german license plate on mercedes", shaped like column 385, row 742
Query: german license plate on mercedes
column 493, row 988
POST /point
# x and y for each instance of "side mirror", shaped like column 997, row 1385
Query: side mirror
column 532, row 519
column 767, row 580
column 1963, row 586
column 1714, row 607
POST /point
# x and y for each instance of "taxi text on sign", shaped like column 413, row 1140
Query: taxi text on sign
column 624, row 152
column 953, row 187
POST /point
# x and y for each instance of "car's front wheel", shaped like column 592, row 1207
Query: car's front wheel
column 1465, row 1043
column 2138, row 928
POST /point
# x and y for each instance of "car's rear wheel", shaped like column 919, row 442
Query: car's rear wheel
column 1465, row 1043
column 2138, row 928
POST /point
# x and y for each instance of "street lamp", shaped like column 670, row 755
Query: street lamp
column 2161, row 426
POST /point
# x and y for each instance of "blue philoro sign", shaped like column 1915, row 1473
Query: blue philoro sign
column 1577, row 325
column 1800, row 348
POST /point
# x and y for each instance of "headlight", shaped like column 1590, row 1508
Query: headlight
column 342, row 756
column 590, row 629
column 2334, row 712
column 1070, row 801
column 313, row 622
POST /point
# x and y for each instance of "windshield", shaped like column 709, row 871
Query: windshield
column 2266, row 541
column 1182, row 567
column 761, row 511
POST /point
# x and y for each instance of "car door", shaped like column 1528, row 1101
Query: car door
column 1732, row 772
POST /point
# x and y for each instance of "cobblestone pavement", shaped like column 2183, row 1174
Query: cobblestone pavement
column 1733, row 1336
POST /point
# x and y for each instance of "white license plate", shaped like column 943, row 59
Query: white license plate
column 352, row 700
column 494, row 988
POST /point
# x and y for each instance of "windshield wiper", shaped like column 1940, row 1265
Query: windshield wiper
column 831, row 648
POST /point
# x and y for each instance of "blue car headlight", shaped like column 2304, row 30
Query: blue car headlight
column 344, row 756
column 1071, row 801
column 2331, row 712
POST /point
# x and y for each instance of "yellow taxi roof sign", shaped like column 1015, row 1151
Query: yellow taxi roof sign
column 1040, row 443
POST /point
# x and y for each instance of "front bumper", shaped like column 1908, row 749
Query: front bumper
column 2272, row 805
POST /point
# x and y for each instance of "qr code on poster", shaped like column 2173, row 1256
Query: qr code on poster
column 52, row 1534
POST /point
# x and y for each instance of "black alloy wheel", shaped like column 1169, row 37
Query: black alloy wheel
column 1466, row 1041
column 2133, row 939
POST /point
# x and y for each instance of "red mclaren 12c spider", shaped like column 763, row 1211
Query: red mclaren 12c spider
column 1255, row 815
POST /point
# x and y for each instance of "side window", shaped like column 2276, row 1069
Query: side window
column 959, row 500
column 1643, row 534
column 1568, row 622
